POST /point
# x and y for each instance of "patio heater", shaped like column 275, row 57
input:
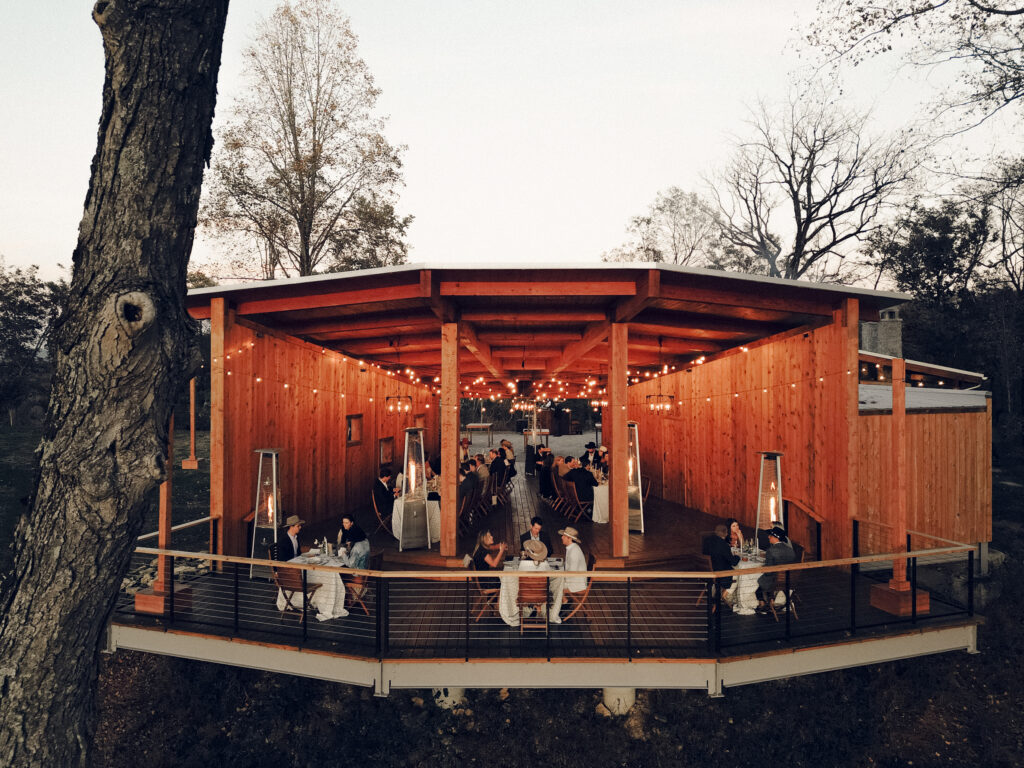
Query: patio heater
column 267, row 512
column 413, row 498
column 633, row 486
column 769, row 492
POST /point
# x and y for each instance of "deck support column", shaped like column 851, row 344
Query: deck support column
column 449, row 698
column 895, row 597
column 613, row 423
column 220, row 319
column 449, row 437
column 619, row 700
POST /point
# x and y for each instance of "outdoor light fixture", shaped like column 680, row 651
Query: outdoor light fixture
column 413, row 488
column 267, row 512
column 769, row 492
column 399, row 403
column 660, row 403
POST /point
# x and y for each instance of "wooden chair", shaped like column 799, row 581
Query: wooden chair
column 533, row 593
column 579, row 599
column 289, row 581
column 645, row 484
column 355, row 587
column 561, row 500
column 705, row 560
column 485, row 596
column 780, row 586
column 384, row 523
column 577, row 508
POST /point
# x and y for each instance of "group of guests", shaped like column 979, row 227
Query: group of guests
column 476, row 470
column 728, row 538
column 353, row 544
column 581, row 471
column 535, row 547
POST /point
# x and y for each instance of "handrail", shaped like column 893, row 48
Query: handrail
column 805, row 507
column 617, row 575
column 179, row 527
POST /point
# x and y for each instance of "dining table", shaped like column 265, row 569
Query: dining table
column 507, row 606
column 744, row 585
column 600, row 508
column 329, row 599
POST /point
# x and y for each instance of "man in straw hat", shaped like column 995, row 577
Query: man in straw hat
column 288, row 546
column 574, row 561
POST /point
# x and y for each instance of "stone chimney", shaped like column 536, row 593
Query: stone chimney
column 884, row 337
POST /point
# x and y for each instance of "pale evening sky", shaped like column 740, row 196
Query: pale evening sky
column 535, row 130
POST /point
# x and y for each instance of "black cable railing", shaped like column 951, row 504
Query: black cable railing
column 437, row 614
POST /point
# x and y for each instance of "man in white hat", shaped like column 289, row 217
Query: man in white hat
column 288, row 546
column 574, row 561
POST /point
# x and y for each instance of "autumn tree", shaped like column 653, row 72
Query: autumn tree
column 982, row 42
column 302, row 154
column 124, row 347
column 807, row 185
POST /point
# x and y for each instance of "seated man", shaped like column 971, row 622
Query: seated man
column 780, row 552
column 588, row 458
column 288, row 545
column 574, row 561
column 722, row 558
column 482, row 471
column 471, row 480
column 583, row 479
column 536, row 533
column 383, row 496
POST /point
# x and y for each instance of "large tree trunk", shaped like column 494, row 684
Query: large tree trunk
column 124, row 349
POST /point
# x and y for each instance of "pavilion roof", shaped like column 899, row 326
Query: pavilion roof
column 532, row 323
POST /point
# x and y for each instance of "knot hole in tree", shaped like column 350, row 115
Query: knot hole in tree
column 135, row 312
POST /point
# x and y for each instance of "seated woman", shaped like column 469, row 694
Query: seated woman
column 544, row 482
column 487, row 556
column 735, row 535
column 353, row 546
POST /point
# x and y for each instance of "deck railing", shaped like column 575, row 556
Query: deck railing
column 627, row 614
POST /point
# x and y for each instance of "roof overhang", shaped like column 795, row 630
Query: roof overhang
column 529, row 322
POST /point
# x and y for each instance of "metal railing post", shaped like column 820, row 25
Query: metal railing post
column 817, row 540
column 170, row 577
column 970, row 583
column 913, row 588
column 235, row 574
column 467, row 618
column 718, row 622
column 305, row 600
column 386, row 583
column 789, row 599
column 378, row 634
column 854, row 570
column 629, row 619
column 709, row 611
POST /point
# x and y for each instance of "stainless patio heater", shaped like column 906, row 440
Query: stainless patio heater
column 634, row 484
column 412, row 503
column 267, row 511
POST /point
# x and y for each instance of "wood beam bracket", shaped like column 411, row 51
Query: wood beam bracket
column 430, row 289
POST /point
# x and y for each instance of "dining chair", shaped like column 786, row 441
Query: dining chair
column 533, row 593
column 578, row 599
column 780, row 588
column 384, row 523
column 705, row 560
column 289, row 582
column 577, row 508
column 485, row 596
column 355, row 586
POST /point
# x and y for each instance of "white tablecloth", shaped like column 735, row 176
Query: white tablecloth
column 510, row 590
column 433, row 519
column 329, row 600
column 601, row 504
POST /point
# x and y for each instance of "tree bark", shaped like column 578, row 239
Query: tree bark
column 123, row 350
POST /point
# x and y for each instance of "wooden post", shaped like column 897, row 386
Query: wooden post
column 849, row 370
column 191, row 462
column 895, row 597
column 219, row 320
column 614, row 426
column 449, row 437
column 898, row 492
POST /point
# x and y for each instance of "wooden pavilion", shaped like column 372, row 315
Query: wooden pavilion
column 313, row 366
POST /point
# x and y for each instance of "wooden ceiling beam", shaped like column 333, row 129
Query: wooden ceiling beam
column 444, row 309
column 595, row 333
column 519, row 288
column 772, row 297
column 397, row 344
column 383, row 295
column 480, row 350
column 505, row 338
column 538, row 317
column 385, row 324
column 525, row 351
column 648, row 288
column 671, row 346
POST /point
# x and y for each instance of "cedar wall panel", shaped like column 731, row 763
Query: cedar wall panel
column 789, row 394
column 950, row 473
column 322, row 475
